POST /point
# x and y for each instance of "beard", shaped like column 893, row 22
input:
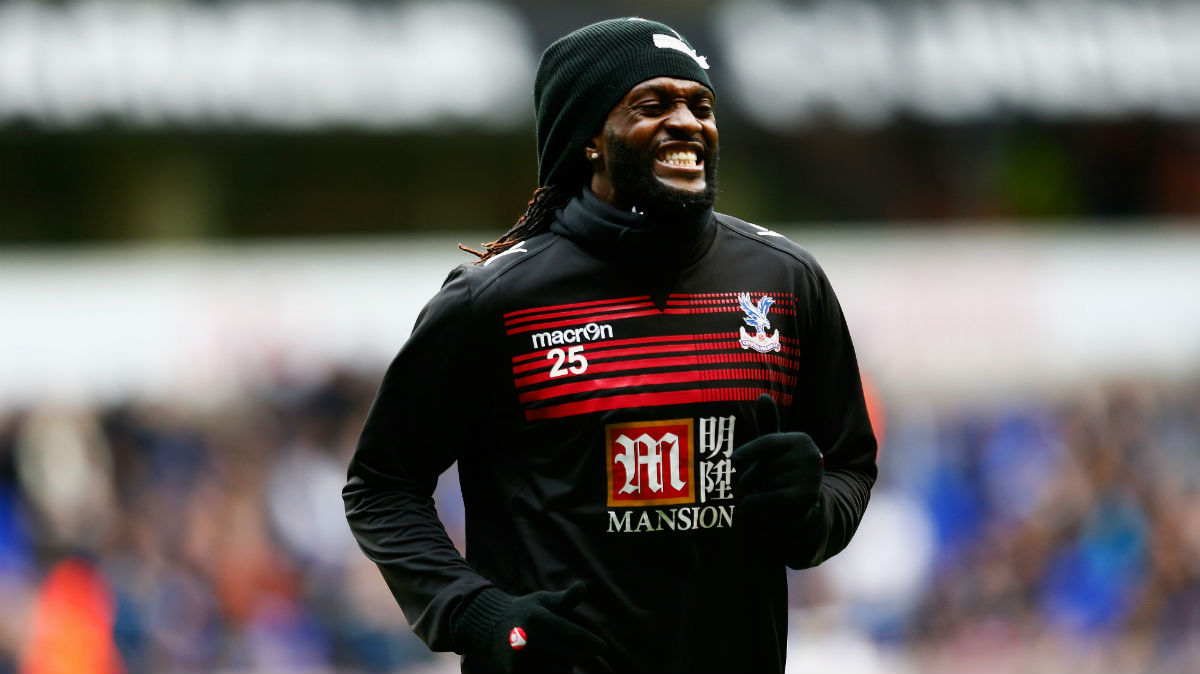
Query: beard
column 631, row 172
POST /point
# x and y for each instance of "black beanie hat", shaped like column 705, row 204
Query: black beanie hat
column 585, row 73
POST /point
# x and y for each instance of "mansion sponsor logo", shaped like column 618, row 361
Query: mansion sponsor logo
column 650, row 463
column 657, row 464
column 588, row 333
column 680, row 518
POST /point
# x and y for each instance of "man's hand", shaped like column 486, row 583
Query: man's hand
column 777, row 480
column 526, row 633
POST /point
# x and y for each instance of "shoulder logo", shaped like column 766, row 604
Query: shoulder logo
column 518, row 247
column 671, row 42
column 756, row 317
column 763, row 231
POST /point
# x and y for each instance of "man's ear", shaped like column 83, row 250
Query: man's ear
column 594, row 153
column 595, row 144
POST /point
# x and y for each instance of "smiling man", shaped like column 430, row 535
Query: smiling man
column 660, row 142
column 655, row 408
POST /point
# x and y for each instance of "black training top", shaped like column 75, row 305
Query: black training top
column 591, row 382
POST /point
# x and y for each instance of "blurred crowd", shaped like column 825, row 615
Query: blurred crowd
column 177, row 537
column 1067, row 534
column 216, row 536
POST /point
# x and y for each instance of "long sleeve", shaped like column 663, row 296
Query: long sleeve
column 830, row 407
column 418, row 425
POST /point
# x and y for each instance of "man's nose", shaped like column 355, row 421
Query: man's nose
column 681, row 118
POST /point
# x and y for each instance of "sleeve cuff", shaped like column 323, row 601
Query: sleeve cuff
column 809, row 550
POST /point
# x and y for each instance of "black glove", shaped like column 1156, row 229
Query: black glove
column 526, row 633
column 777, row 484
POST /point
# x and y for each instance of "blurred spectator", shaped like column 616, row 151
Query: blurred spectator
column 1039, row 535
column 1100, row 575
column 72, row 624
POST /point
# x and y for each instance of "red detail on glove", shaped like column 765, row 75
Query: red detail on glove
column 516, row 638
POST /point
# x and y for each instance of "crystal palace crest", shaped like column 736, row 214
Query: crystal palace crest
column 762, row 340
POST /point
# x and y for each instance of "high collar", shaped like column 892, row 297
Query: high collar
column 630, row 237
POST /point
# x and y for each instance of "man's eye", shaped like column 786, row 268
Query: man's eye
column 702, row 111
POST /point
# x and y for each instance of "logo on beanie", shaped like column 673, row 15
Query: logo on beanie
column 670, row 42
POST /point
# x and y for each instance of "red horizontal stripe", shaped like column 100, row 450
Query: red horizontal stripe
column 579, row 321
column 724, row 305
column 712, row 310
column 656, row 379
column 596, row 346
column 688, row 361
column 785, row 303
column 560, row 307
column 652, row 400
column 752, row 293
column 684, row 347
column 727, row 301
column 595, row 312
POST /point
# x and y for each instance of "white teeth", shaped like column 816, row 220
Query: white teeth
column 686, row 158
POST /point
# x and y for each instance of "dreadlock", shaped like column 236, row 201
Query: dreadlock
column 539, row 213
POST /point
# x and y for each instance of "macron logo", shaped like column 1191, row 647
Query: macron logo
column 670, row 42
